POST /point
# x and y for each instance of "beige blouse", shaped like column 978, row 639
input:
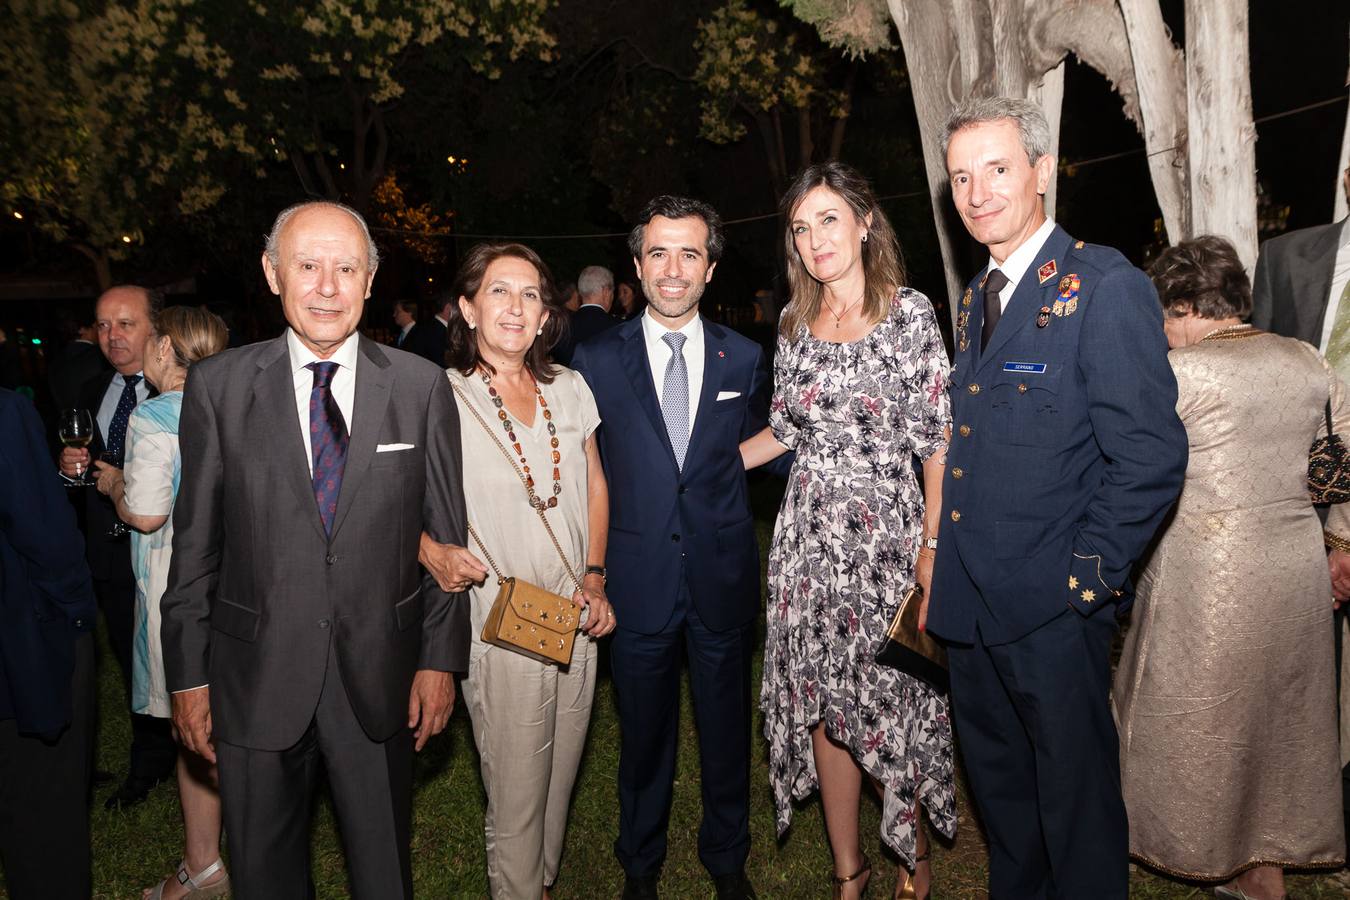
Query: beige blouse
column 498, row 507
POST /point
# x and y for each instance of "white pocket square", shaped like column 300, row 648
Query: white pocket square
column 727, row 395
column 390, row 448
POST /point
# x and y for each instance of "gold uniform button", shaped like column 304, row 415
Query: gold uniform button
column 964, row 430
column 957, row 473
column 956, row 515
column 1021, row 389
column 974, row 388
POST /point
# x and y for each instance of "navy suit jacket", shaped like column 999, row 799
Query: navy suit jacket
column 1066, row 448
column 666, row 525
column 46, row 595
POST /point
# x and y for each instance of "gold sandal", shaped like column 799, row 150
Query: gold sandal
column 908, row 892
column 841, row 880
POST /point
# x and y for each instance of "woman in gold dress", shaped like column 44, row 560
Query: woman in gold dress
column 1225, row 694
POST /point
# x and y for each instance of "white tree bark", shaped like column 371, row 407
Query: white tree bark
column 1341, row 189
column 931, row 57
column 1221, row 151
column 1159, row 73
column 1050, row 96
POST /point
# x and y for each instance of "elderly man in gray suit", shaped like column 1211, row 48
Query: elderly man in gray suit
column 1302, row 290
column 298, row 627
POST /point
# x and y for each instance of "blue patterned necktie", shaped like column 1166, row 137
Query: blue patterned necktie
column 675, row 396
column 327, row 441
column 117, row 428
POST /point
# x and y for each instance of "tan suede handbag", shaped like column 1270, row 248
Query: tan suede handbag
column 526, row 618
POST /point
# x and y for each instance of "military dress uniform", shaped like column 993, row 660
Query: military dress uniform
column 1066, row 452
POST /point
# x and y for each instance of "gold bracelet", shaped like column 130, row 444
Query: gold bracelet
column 1335, row 542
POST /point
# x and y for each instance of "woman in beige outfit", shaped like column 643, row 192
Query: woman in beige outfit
column 529, row 717
column 1224, row 695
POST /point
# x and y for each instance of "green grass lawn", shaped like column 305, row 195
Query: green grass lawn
column 135, row 848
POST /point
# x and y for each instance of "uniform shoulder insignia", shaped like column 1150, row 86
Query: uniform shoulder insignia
column 1078, row 245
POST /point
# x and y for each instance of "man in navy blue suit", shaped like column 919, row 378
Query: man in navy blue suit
column 678, row 394
column 1066, row 453
column 47, row 613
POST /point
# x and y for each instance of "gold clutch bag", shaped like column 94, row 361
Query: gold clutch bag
column 910, row 650
column 530, row 620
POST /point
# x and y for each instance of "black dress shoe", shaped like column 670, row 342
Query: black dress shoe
column 734, row 886
column 641, row 887
column 132, row 791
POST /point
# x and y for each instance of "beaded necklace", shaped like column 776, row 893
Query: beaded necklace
column 535, row 500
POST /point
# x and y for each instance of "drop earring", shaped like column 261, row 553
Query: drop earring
column 864, row 238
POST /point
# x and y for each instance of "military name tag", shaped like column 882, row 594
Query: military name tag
column 1030, row 368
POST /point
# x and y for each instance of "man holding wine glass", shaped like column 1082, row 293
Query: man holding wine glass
column 122, row 317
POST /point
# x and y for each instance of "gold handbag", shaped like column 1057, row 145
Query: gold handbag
column 526, row 618
column 910, row 650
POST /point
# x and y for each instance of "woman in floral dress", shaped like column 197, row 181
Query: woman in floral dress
column 860, row 381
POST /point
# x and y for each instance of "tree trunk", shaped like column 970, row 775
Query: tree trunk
column 841, row 123
column 806, row 145
column 1050, row 96
column 1342, row 186
column 1221, row 155
column 930, row 56
column 777, row 182
column 1159, row 73
column 102, row 262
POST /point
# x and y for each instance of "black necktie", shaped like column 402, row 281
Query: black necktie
column 993, row 310
column 117, row 428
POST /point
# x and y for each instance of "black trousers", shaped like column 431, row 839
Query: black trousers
column 1040, row 746
column 646, row 672
column 44, row 799
column 153, row 751
column 267, row 797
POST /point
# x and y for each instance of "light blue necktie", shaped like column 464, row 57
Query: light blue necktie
column 675, row 397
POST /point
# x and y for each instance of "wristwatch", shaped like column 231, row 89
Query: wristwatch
column 930, row 543
column 599, row 570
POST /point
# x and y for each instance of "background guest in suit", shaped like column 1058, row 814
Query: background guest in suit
column 1228, row 662
column 529, row 717
column 1302, row 290
column 680, row 394
column 122, row 316
column 1067, row 453
column 405, row 317
column 297, row 627
column 143, row 494
column 47, row 612
column 860, row 377
column 427, row 340
column 596, row 286
column 76, row 363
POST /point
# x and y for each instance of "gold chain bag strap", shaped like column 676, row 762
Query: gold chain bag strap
column 526, row 618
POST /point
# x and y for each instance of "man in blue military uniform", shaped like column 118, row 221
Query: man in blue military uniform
column 1065, row 454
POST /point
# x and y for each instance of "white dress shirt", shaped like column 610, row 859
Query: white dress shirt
column 343, row 384
column 659, row 354
column 1017, row 263
column 1340, row 277
column 108, row 407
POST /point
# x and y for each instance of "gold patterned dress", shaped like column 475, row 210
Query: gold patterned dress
column 1225, row 692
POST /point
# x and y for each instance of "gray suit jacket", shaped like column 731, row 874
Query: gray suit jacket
column 257, row 593
column 1293, row 279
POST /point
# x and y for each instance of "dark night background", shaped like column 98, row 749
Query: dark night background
column 549, row 159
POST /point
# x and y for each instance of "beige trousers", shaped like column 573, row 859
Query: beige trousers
column 529, row 722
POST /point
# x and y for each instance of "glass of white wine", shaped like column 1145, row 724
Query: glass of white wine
column 76, row 429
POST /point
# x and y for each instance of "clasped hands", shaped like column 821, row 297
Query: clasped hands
column 1339, row 561
column 456, row 569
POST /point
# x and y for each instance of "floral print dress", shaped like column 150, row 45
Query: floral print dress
column 843, row 554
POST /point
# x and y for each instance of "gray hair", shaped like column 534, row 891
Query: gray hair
column 1032, row 127
column 593, row 280
column 272, row 247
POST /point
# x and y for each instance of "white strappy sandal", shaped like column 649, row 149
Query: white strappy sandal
column 196, row 890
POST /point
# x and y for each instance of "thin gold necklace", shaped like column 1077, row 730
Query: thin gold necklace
column 839, row 316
